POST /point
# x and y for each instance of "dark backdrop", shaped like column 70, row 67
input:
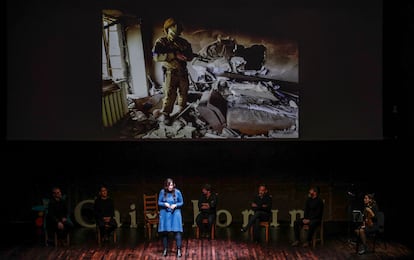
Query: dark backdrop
column 53, row 110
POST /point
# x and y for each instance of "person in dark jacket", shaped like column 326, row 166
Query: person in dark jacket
column 262, row 207
column 207, row 206
column 104, row 213
column 312, row 216
column 57, row 218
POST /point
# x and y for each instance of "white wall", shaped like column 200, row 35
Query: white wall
column 137, row 63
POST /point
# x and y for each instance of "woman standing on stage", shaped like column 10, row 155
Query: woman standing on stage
column 170, row 201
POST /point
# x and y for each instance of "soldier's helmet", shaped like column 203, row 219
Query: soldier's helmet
column 170, row 22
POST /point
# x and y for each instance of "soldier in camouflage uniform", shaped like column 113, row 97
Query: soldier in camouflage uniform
column 173, row 52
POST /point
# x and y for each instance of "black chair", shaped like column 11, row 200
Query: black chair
column 379, row 234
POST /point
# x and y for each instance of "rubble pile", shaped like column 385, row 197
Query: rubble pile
column 230, row 97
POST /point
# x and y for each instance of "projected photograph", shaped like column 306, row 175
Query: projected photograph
column 181, row 78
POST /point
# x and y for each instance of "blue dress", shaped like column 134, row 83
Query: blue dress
column 170, row 220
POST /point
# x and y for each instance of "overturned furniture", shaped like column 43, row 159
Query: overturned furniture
column 213, row 109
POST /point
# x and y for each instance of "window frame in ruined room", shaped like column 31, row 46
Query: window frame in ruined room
column 112, row 44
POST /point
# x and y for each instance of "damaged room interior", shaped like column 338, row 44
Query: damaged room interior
column 244, row 82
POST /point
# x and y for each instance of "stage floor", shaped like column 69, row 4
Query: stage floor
column 230, row 243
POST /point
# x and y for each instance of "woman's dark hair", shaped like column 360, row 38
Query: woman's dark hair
column 102, row 185
column 371, row 197
column 316, row 188
column 207, row 187
column 167, row 183
column 262, row 185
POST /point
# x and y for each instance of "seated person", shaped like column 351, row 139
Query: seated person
column 104, row 213
column 312, row 216
column 369, row 225
column 57, row 218
column 262, row 207
column 207, row 206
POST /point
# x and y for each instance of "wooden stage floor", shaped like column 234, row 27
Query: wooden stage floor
column 230, row 243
